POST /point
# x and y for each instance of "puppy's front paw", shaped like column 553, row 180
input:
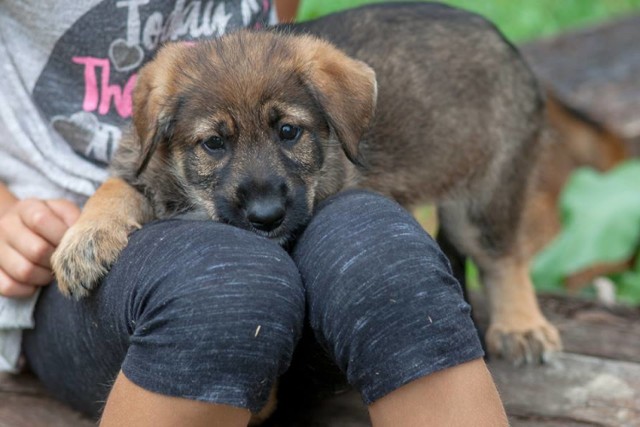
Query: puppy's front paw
column 85, row 255
column 523, row 343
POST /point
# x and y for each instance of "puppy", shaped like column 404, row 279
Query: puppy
column 255, row 128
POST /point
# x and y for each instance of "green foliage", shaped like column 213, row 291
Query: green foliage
column 472, row 275
column 628, row 284
column 601, row 224
column 519, row 19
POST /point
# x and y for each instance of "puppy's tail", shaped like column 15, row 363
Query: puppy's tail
column 585, row 140
column 570, row 139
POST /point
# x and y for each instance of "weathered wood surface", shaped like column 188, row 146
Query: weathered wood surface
column 593, row 330
column 23, row 403
column 587, row 327
column 576, row 389
column 595, row 382
column 596, row 70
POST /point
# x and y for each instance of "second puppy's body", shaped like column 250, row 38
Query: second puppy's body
column 459, row 122
column 255, row 128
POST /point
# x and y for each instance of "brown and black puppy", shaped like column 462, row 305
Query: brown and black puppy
column 255, row 128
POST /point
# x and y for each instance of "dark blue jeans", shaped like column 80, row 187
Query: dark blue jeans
column 205, row 311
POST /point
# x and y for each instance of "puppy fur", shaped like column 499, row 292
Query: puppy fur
column 256, row 123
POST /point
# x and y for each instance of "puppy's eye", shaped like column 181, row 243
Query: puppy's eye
column 213, row 143
column 289, row 132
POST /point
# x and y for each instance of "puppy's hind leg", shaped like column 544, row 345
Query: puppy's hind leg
column 456, row 259
column 518, row 331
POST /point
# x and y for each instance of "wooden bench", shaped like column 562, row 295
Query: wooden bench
column 23, row 403
column 596, row 381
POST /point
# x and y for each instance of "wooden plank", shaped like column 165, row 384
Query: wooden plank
column 591, row 329
column 596, row 70
column 20, row 384
column 586, row 327
column 533, row 421
column 576, row 389
column 30, row 411
column 571, row 390
column 24, row 403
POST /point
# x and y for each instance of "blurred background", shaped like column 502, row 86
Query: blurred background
column 519, row 20
column 590, row 66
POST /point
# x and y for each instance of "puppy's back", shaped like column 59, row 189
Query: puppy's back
column 452, row 92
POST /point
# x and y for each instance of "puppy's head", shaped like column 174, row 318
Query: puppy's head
column 251, row 128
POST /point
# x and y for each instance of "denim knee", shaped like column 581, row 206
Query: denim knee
column 380, row 294
column 215, row 312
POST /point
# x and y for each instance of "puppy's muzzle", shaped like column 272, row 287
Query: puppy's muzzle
column 262, row 204
column 266, row 213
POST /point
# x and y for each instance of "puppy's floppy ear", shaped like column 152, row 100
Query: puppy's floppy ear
column 345, row 88
column 153, row 104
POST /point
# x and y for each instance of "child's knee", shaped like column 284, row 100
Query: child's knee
column 220, row 322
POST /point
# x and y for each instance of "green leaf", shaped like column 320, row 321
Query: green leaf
column 628, row 284
column 601, row 223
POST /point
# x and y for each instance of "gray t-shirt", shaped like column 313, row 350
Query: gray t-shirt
column 67, row 69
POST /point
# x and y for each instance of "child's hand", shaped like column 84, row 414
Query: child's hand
column 30, row 230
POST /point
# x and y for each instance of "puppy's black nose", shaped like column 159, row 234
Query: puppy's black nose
column 266, row 214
